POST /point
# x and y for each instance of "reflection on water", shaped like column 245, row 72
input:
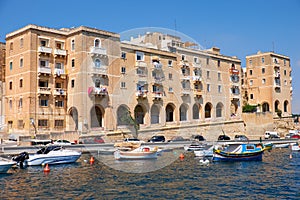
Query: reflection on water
column 276, row 177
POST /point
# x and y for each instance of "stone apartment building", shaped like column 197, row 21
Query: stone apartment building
column 268, row 83
column 2, row 85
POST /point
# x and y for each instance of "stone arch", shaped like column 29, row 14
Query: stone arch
column 155, row 110
column 183, row 109
column 170, row 108
column 265, row 107
column 196, row 111
column 97, row 115
column 139, row 114
column 123, row 115
column 285, row 106
column 207, row 109
column 276, row 105
column 219, row 109
column 73, row 118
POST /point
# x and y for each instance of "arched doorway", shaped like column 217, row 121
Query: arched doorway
column 196, row 111
column 276, row 105
column 219, row 110
column 285, row 106
column 207, row 109
column 73, row 119
column 183, row 112
column 154, row 114
column 265, row 107
column 139, row 114
column 123, row 115
column 169, row 113
column 96, row 117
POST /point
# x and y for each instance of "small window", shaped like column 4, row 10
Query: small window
column 170, row 76
column 73, row 63
column 10, row 85
column 170, row 89
column 43, row 43
column 250, row 71
column 196, row 60
column 59, row 45
column 139, row 56
column 219, row 63
column 251, row 82
column 59, row 123
column 20, row 124
column 170, row 63
column 21, row 42
column 207, row 75
column 11, row 46
column 285, row 82
column 123, row 70
column 43, row 123
column 20, row 103
column 59, row 65
column 182, row 57
column 219, row 76
column 208, row 87
column 72, row 83
column 44, row 102
column 97, row 43
column 123, row 55
column 21, row 83
column 73, row 44
column 97, row 63
column 250, row 62
column 21, row 62
column 123, row 84
column 262, row 60
column 263, row 81
column 284, row 62
column 284, row 72
column 263, row 70
column 10, row 104
column 219, row 88
column 251, row 96
column 59, row 104
column 207, row 61
column 10, row 66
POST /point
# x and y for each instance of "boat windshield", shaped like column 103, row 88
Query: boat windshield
column 47, row 149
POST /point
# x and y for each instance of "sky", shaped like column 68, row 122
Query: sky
column 238, row 27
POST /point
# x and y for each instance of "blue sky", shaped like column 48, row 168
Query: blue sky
column 238, row 27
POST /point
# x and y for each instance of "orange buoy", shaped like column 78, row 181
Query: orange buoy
column 47, row 168
column 92, row 160
column 181, row 156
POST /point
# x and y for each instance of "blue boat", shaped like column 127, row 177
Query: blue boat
column 238, row 152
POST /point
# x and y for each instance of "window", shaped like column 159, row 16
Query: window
column 263, row 81
column 10, row 66
column 59, row 65
column 182, row 57
column 219, row 76
column 43, row 43
column 59, row 104
column 284, row 72
column 59, row 45
column 262, row 60
column 10, row 104
column 284, row 62
column 207, row 61
column 219, row 88
column 44, row 102
column 250, row 71
column 251, row 82
column 58, row 85
column 139, row 56
column 123, row 84
column 170, row 89
column 72, row 83
column 73, row 44
column 170, row 63
column 251, row 96
column 43, row 83
column 10, row 85
column 207, row 75
column 44, row 63
column 43, row 123
column 21, row 83
column 250, row 62
column 11, row 46
column 123, row 55
column 123, row 70
column 97, row 63
column 73, row 63
column 59, row 123
column 208, row 87
column 263, row 70
column 196, row 60
column 20, row 124
column 97, row 43
column 21, row 62
column 170, row 76
column 285, row 82
column 21, row 42
column 219, row 63
column 20, row 102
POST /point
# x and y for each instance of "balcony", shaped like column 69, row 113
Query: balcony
column 98, row 52
column 157, row 65
column 197, row 65
column 197, row 78
column 157, row 95
column 98, row 91
column 59, row 92
column 185, row 77
column 234, row 71
column 44, row 91
column 184, row 63
column 45, row 50
column 234, row 78
column 186, row 91
column 59, row 73
column 158, row 80
column 60, row 52
column 198, row 92
column 99, row 71
column 140, row 64
column 44, row 70
column 235, row 96
column 141, row 94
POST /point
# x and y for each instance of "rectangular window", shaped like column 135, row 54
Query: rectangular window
column 208, row 87
column 11, row 46
column 73, row 45
column 123, row 70
column 21, row 83
column 59, row 123
column 72, row 83
column 20, row 124
column 170, row 76
column 59, row 65
column 207, row 75
column 207, row 61
column 251, row 82
column 262, row 60
column 219, row 63
column 250, row 62
column 59, row 45
column 219, row 88
column 44, row 43
column 251, row 96
column 284, row 72
column 263, row 70
column 10, row 104
column 182, row 57
column 20, row 103
column 73, row 63
column 196, row 60
column 139, row 56
column 219, row 76
column 21, row 42
column 10, row 85
column 43, row 83
column 170, row 63
column 284, row 62
column 44, row 63
column 123, row 55
column 263, row 81
column 59, row 104
column 170, row 89
column 44, row 102
column 123, row 84
column 21, row 62
column 250, row 71
column 43, row 123
column 10, row 66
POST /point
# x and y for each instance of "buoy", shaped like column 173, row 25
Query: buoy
column 47, row 168
column 92, row 160
column 181, row 156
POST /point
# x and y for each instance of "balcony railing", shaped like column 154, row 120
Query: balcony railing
column 47, row 50
column 197, row 65
column 44, row 70
column 100, row 91
column 59, row 72
column 157, row 95
column 158, row 80
column 141, row 94
column 60, row 52
column 185, row 77
column 197, row 78
column 234, row 71
column 140, row 64
column 184, row 63
column 99, row 71
column 157, row 65
column 44, row 90
column 98, row 51
column 59, row 92
column 186, row 91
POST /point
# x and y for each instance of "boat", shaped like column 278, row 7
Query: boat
column 238, row 152
column 194, row 147
column 136, row 152
column 5, row 164
column 206, row 152
column 51, row 154
column 295, row 147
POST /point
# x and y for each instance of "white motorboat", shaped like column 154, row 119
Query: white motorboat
column 295, row 147
column 141, row 152
column 52, row 154
column 5, row 164
column 194, row 147
column 205, row 152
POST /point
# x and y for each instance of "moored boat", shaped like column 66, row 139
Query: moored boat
column 5, row 164
column 295, row 147
column 194, row 147
column 140, row 152
column 238, row 152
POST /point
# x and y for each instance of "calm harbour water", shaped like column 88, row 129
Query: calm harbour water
column 276, row 177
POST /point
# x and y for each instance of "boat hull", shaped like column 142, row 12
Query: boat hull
column 5, row 166
column 121, row 155
column 257, row 157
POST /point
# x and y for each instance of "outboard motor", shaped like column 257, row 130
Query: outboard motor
column 20, row 159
